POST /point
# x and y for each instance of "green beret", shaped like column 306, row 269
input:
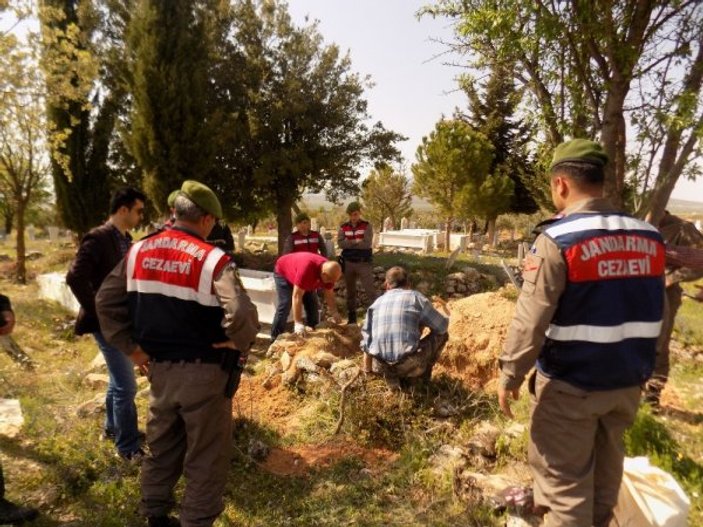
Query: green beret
column 580, row 151
column 202, row 196
column 301, row 216
column 172, row 198
column 353, row 207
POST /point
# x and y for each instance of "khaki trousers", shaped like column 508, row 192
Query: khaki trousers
column 362, row 271
column 189, row 431
column 661, row 368
column 576, row 450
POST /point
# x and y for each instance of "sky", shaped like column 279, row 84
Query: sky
column 413, row 85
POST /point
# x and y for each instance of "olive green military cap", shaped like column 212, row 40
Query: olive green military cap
column 172, row 198
column 202, row 196
column 353, row 207
column 580, row 151
column 301, row 216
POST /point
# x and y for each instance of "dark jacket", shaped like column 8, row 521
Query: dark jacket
column 97, row 255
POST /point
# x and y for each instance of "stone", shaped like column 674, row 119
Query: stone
column 325, row 360
column 448, row 457
column 471, row 274
column 94, row 406
column 344, row 376
column 285, row 360
column 257, row 450
column 342, row 365
column 97, row 364
column 484, row 439
column 306, row 364
column 96, row 380
column 515, row 430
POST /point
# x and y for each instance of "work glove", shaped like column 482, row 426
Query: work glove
column 299, row 329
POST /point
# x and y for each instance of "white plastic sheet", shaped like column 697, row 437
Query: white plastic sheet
column 650, row 497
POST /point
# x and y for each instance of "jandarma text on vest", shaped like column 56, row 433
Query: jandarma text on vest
column 165, row 242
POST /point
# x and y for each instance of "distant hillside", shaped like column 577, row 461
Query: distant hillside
column 675, row 206
column 681, row 206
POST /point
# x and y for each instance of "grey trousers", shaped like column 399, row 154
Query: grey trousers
column 661, row 367
column 576, row 450
column 189, row 430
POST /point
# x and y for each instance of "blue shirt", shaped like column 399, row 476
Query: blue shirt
column 394, row 323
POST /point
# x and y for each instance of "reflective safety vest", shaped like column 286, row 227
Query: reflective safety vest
column 603, row 334
column 172, row 303
column 310, row 243
column 356, row 232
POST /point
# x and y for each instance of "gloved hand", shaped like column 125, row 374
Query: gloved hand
column 299, row 329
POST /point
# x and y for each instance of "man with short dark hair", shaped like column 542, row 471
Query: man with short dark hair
column 589, row 315
column 303, row 238
column 297, row 276
column 176, row 307
column 355, row 238
column 10, row 513
column 99, row 252
column 391, row 334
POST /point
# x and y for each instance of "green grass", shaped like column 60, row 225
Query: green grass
column 58, row 463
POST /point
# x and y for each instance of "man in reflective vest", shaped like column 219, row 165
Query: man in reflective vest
column 355, row 238
column 176, row 307
column 589, row 314
column 304, row 239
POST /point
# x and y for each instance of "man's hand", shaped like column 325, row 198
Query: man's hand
column 336, row 317
column 141, row 359
column 299, row 329
column 504, row 399
column 9, row 317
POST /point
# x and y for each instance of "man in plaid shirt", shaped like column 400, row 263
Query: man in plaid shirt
column 391, row 334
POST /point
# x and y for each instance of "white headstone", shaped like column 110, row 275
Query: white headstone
column 323, row 232
column 31, row 232
column 313, row 224
column 404, row 223
column 413, row 225
column 53, row 234
column 698, row 224
column 388, row 224
column 241, row 239
column 250, row 230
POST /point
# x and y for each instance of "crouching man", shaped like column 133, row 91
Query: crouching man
column 392, row 330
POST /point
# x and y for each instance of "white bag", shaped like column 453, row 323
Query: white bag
column 649, row 497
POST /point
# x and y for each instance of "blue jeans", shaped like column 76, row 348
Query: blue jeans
column 284, row 291
column 120, row 410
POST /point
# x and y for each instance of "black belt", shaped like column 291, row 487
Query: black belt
column 357, row 260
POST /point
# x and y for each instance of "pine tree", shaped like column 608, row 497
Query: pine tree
column 492, row 112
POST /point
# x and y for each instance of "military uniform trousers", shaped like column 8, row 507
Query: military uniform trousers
column 189, row 431
column 576, row 450
column 362, row 271
column 661, row 367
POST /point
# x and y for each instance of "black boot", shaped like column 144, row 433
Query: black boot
column 351, row 317
column 15, row 514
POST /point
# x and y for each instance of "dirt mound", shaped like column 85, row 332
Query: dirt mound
column 298, row 460
column 477, row 328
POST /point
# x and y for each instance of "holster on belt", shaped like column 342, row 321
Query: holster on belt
column 233, row 364
column 340, row 259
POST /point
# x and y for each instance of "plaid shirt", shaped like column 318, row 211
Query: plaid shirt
column 394, row 324
column 124, row 240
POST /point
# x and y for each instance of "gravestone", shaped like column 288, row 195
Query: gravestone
column 31, row 232
column 313, row 224
column 53, row 234
column 241, row 239
column 404, row 223
column 388, row 224
column 250, row 230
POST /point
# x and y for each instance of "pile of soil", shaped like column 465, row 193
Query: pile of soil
column 478, row 325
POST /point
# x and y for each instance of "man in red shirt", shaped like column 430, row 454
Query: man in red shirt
column 298, row 275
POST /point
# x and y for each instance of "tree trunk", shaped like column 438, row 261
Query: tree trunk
column 613, row 140
column 491, row 232
column 21, row 274
column 283, row 219
column 447, row 233
column 9, row 218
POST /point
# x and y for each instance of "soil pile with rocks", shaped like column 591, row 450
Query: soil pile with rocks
column 478, row 325
column 330, row 351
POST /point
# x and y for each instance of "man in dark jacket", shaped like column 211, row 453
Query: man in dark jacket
column 99, row 252
column 9, row 512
